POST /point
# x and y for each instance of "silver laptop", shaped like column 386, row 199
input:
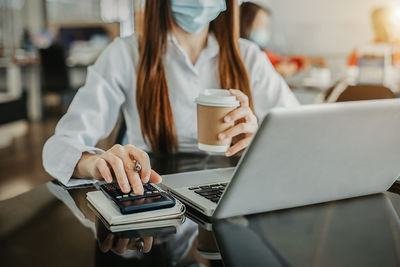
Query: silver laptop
column 302, row 156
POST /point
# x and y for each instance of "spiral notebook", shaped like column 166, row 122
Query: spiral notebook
column 113, row 216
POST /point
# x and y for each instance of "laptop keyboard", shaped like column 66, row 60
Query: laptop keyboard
column 212, row 192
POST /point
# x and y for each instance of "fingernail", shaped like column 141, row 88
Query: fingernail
column 139, row 191
column 146, row 179
column 221, row 136
column 228, row 118
column 228, row 153
column 127, row 188
column 108, row 179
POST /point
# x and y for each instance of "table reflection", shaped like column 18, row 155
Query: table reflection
column 52, row 224
column 183, row 245
column 362, row 231
column 184, row 162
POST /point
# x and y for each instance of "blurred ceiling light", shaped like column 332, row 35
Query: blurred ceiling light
column 397, row 13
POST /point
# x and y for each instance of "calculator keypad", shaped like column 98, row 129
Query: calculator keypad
column 114, row 191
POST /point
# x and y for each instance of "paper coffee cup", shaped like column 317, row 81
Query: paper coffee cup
column 212, row 106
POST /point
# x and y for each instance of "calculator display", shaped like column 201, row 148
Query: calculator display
column 142, row 201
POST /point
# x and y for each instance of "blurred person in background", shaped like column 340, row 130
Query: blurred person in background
column 255, row 26
column 375, row 63
column 385, row 25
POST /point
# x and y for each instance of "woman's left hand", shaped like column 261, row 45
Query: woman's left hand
column 245, row 124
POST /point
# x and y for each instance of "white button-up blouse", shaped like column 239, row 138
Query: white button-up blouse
column 110, row 87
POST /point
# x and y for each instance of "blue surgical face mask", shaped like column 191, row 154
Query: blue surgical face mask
column 194, row 15
column 261, row 37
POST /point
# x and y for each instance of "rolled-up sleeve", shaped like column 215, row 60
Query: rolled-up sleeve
column 92, row 114
column 269, row 89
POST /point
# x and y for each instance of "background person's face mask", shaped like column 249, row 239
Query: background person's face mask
column 194, row 15
column 261, row 37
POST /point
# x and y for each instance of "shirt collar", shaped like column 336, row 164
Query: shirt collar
column 212, row 48
column 209, row 52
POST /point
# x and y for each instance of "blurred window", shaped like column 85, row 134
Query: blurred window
column 73, row 10
column 67, row 11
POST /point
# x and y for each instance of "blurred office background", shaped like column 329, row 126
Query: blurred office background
column 47, row 45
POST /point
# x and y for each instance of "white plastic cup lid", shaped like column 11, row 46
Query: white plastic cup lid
column 217, row 98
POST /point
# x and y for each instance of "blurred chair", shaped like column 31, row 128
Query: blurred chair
column 342, row 92
column 55, row 78
column 365, row 92
column 54, row 69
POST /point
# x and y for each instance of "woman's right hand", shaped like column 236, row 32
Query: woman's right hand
column 120, row 245
column 121, row 159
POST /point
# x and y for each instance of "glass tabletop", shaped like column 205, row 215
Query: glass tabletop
column 54, row 226
column 362, row 231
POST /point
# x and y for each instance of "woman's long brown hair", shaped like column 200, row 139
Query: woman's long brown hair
column 248, row 12
column 152, row 99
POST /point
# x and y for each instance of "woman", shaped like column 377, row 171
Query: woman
column 255, row 26
column 185, row 46
column 385, row 27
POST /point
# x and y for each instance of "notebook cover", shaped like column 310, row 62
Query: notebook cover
column 113, row 216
